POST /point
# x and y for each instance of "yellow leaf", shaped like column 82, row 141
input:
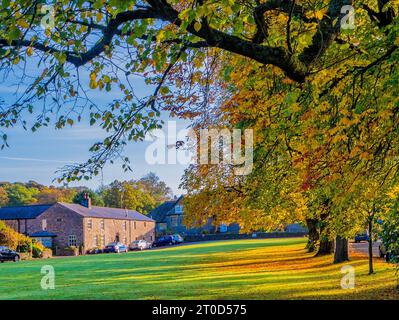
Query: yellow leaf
column 93, row 84
column 197, row 26
column 22, row 23
column 99, row 17
column 161, row 36
column 346, row 122
column 364, row 155
column 319, row 14
column 29, row 51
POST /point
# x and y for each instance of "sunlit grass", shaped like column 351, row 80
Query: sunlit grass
column 245, row 269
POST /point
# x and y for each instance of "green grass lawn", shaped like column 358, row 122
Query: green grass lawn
column 245, row 269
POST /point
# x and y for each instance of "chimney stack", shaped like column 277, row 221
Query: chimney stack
column 86, row 201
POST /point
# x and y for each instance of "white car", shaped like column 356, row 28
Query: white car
column 140, row 245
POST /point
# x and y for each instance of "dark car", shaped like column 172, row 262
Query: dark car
column 8, row 255
column 164, row 241
column 361, row 237
column 116, row 247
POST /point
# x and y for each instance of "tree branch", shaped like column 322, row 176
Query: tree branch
column 329, row 28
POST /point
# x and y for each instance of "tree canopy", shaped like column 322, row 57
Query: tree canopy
column 316, row 80
column 101, row 45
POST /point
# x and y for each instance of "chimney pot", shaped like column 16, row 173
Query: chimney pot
column 86, row 201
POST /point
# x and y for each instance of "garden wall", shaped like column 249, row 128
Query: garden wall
column 232, row 236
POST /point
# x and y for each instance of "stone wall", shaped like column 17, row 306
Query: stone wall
column 232, row 236
column 20, row 226
column 61, row 221
column 104, row 231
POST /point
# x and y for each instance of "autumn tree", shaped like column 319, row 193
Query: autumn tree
column 19, row 195
column 325, row 89
column 157, row 188
column 51, row 195
column 3, row 197
column 128, row 195
column 167, row 42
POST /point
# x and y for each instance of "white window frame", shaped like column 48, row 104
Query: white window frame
column 102, row 224
column 72, row 240
column 90, row 224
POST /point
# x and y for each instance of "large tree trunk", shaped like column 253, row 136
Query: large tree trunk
column 313, row 234
column 371, row 268
column 326, row 246
column 341, row 250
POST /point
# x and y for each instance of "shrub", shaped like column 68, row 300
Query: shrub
column 12, row 239
column 24, row 245
column 8, row 237
column 390, row 234
column 37, row 249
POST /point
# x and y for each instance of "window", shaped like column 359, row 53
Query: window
column 125, row 241
column 90, row 224
column 95, row 240
column 179, row 209
column 125, row 225
column 174, row 221
column 103, row 240
column 72, row 241
column 145, row 224
column 44, row 224
column 102, row 224
column 162, row 226
column 151, row 238
column 59, row 220
column 135, row 226
column 137, row 238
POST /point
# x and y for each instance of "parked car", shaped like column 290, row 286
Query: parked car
column 140, row 245
column 8, row 255
column 95, row 251
column 387, row 255
column 116, row 247
column 361, row 237
column 178, row 238
column 164, row 241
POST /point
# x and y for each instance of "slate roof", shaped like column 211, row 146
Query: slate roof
column 33, row 211
column 160, row 213
column 106, row 213
column 23, row 212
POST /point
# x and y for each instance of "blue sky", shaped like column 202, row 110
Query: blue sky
column 37, row 156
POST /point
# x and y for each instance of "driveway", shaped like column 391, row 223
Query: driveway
column 363, row 247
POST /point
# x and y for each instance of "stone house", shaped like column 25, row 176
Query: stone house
column 169, row 217
column 62, row 225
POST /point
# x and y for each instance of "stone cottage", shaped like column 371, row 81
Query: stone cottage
column 63, row 225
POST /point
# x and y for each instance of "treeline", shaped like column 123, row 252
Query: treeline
column 142, row 195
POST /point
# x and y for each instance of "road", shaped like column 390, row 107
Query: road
column 363, row 247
